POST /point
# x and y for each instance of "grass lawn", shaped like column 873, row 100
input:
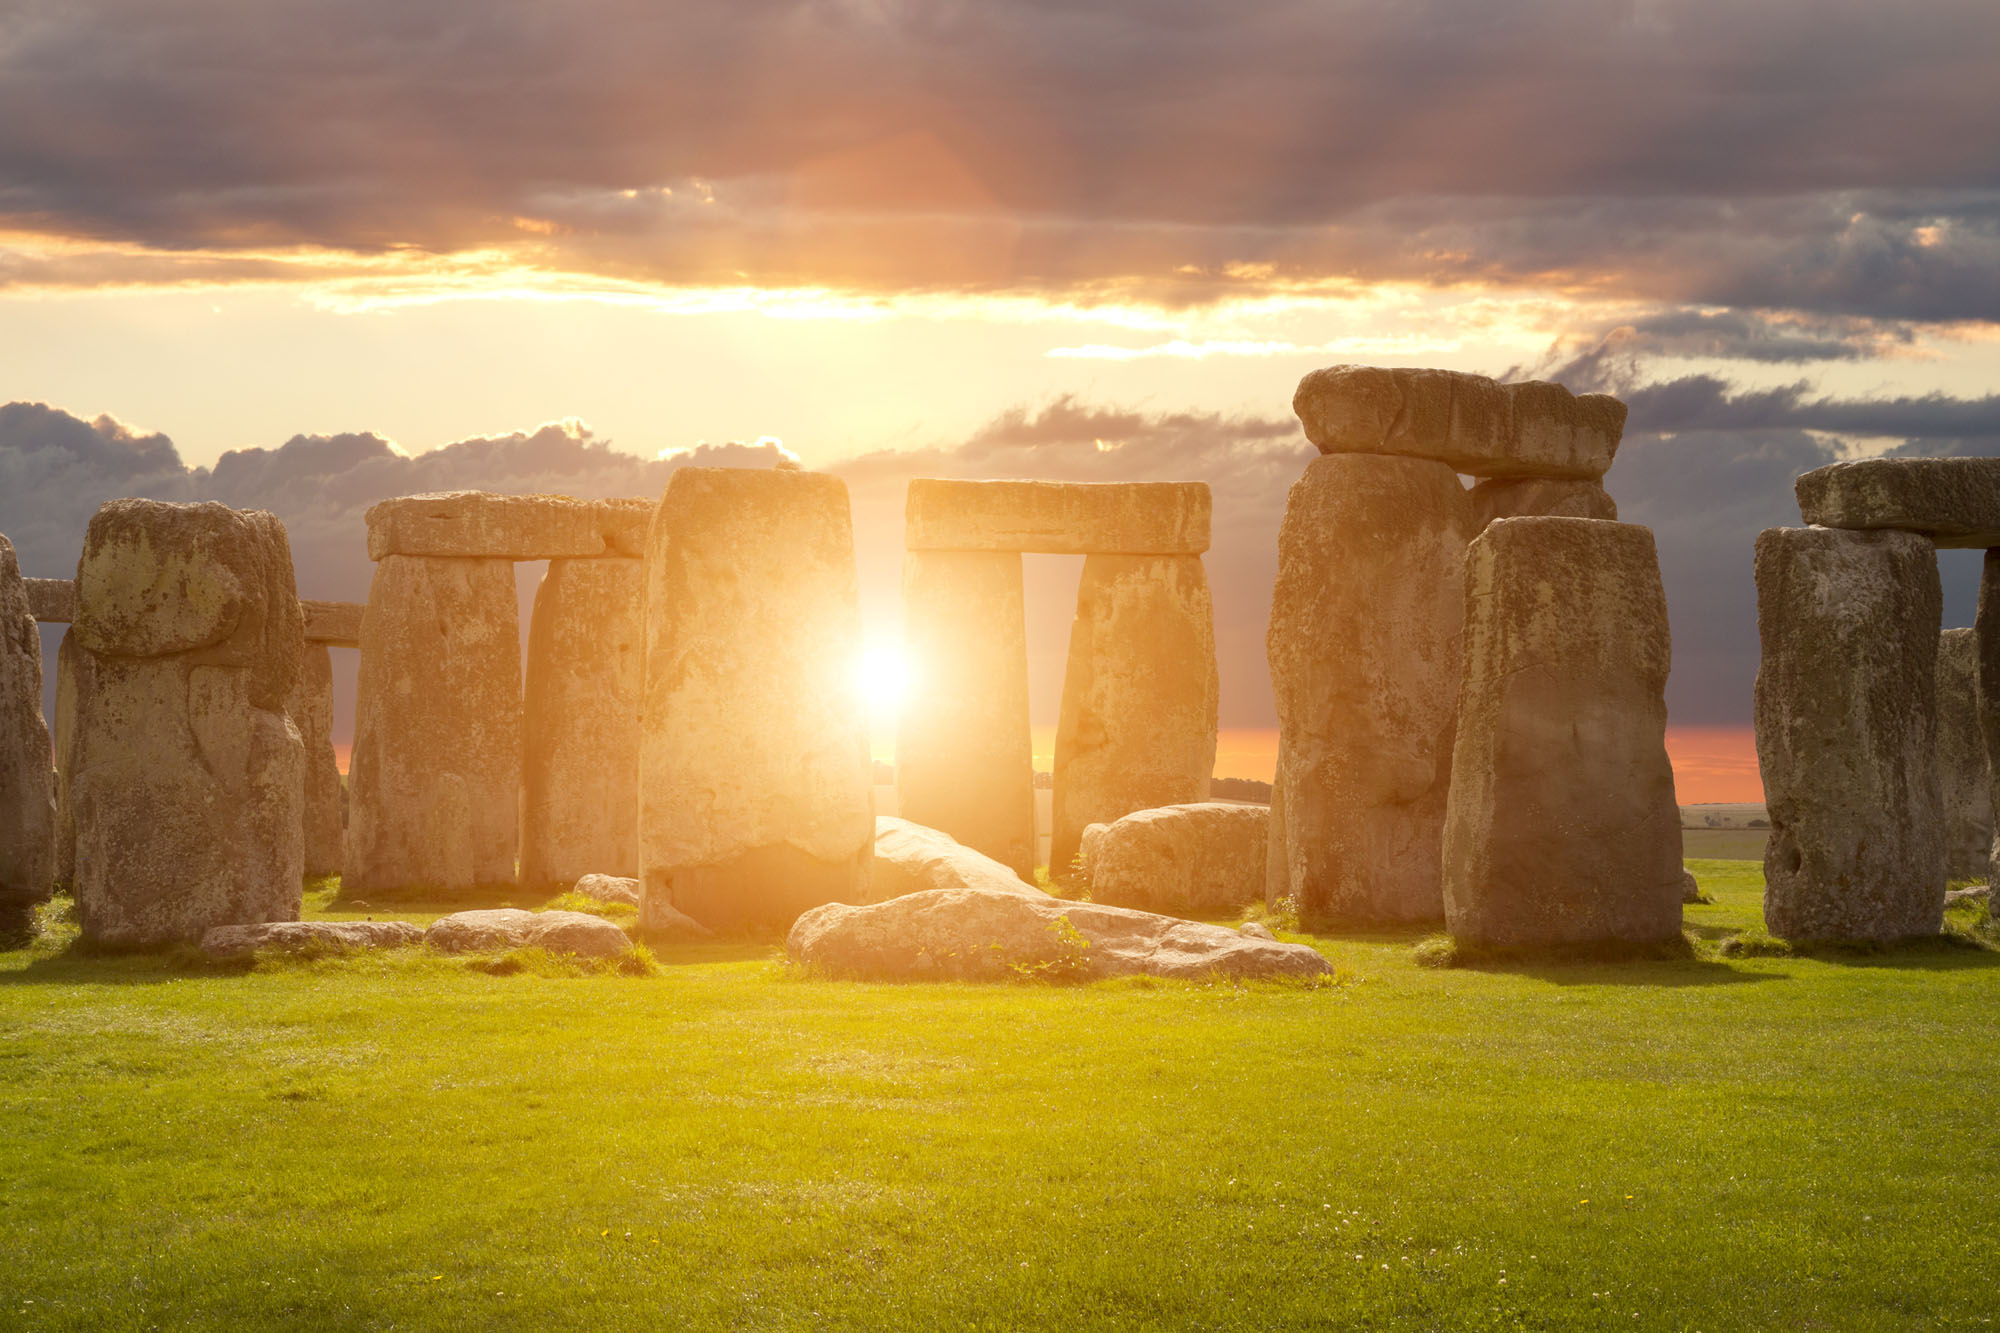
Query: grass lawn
column 404, row 1141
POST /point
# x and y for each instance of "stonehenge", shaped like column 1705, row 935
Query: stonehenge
column 1963, row 788
column 27, row 787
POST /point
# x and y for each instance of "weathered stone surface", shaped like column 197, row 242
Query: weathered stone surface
column 1690, row 888
column 51, row 601
column 483, row 525
column 1953, row 501
column 1847, row 733
column 1203, row 857
column 1526, row 497
column 964, row 757
column 1086, row 853
column 511, row 928
column 1277, row 864
column 1256, row 930
column 1058, row 517
column 1474, row 424
column 1986, row 641
column 910, row 858
column 1977, row 893
column 609, row 889
column 755, row 792
column 1963, row 793
column 580, row 722
column 335, row 623
column 311, row 710
column 183, row 778
column 27, row 783
column 1562, row 827
column 1364, row 652
column 975, row 935
column 294, row 936
column 1137, row 727
column 434, row 775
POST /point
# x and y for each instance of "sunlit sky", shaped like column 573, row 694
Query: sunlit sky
column 1096, row 241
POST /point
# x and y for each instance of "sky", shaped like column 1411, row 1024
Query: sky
column 304, row 256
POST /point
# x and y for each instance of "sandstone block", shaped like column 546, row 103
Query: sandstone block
column 1986, row 641
column 910, row 858
column 1364, row 649
column 1138, row 720
column 756, row 792
column 1562, row 826
column 1963, row 793
column 480, row 525
column 609, row 888
column 434, row 774
column 1847, row 733
column 964, row 757
column 1528, row 497
column 27, row 784
column 336, row 623
column 311, row 710
column 1205, row 857
column 1474, row 424
column 500, row 928
column 51, row 601
column 969, row 934
column 295, row 936
column 580, row 732
column 1953, row 501
column 1690, row 888
column 1058, row 517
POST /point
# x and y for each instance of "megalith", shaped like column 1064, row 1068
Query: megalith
column 434, row 774
column 964, row 757
column 1562, row 827
column 183, row 776
column 1847, row 733
column 1548, row 497
column 1986, row 638
column 27, row 786
column 1364, row 647
column 1138, row 721
column 311, row 708
column 1963, row 791
column 580, row 722
column 755, row 785
column 1200, row 858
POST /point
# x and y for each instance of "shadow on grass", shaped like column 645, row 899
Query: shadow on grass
column 1676, row 962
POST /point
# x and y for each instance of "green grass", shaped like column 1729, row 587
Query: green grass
column 411, row 1141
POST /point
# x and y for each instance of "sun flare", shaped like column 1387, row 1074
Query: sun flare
column 884, row 676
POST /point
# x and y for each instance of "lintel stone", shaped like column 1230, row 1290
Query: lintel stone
column 483, row 525
column 51, row 601
column 336, row 623
column 1953, row 501
column 1058, row 517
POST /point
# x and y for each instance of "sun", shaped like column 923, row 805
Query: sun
column 884, row 676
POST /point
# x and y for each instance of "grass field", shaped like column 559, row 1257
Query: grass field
column 404, row 1141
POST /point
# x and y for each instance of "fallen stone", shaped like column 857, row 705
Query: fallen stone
column 1544, row 497
column 434, row 775
column 1963, row 794
column 1138, row 721
column 51, row 601
column 1204, row 857
column 976, row 935
column 1978, row 893
column 1562, row 826
column 910, row 858
column 27, row 783
column 756, row 792
column 294, row 936
column 337, row 624
column 1058, row 517
column 609, row 889
column 311, row 709
column 1256, row 930
column 481, row 525
column 580, row 722
column 1847, row 733
column 1364, row 652
column 494, row 929
column 1475, row 425
column 964, row 757
column 1953, row 501
column 1691, row 888
column 1086, row 852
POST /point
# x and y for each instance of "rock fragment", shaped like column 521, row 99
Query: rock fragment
column 910, row 858
column 1206, row 857
column 295, row 936
column 494, row 929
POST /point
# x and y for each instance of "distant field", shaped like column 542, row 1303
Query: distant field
column 1724, row 844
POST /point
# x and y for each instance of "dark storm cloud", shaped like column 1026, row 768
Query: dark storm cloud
column 1790, row 154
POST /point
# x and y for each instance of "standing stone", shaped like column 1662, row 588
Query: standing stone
column 27, row 788
column 1847, row 733
column 183, row 777
column 1562, row 826
column 1962, row 780
column 964, row 758
column 1986, row 637
column 1277, row 870
column 1137, row 727
column 1364, row 652
column 755, row 785
column 1523, row 497
column 580, row 723
column 434, row 775
column 311, row 710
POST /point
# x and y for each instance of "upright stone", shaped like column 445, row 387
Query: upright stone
column 434, row 775
column 27, row 788
column 1963, row 791
column 1562, row 826
column 1847, row 733
column 1137, row 727
column 1364, row 651
column 580, row 723
column 183, row 777
column 755, row 786
column 964, row 758
column 1986, row 637
column 311, row 710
